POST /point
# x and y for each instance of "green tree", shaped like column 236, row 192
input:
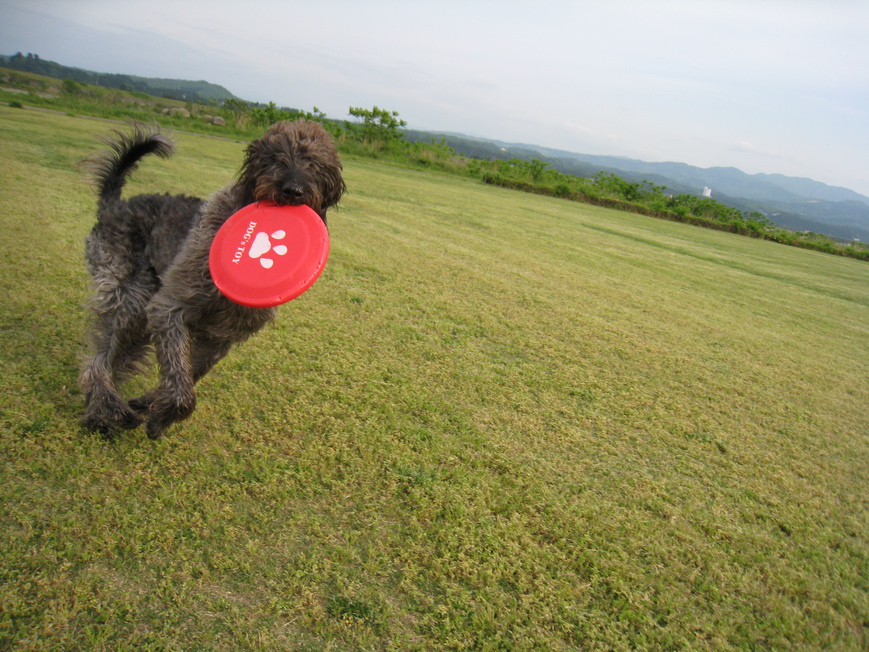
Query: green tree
column 315, row 115
column 268, row 115
column 236, row 107
column 615, row 185
column 71, row 87
column 376, row 124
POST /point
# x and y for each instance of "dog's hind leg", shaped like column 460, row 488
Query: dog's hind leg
column 120, row 342
column 106, row 410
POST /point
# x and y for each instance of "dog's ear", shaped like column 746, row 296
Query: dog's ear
column 333, row 185
column 250, row 172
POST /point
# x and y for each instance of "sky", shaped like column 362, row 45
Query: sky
column 774, row 86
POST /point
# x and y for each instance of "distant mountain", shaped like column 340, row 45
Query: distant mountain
column 176, row 89
column 808, row 188
column 793, row 202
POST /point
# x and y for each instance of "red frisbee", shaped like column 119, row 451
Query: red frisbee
column 265, row 254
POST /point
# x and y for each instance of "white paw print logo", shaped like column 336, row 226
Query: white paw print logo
column 262, row 244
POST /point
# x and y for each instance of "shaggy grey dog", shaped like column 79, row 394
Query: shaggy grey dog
column 148, row 256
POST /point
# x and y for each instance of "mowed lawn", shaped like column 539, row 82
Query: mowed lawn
column 498, row 421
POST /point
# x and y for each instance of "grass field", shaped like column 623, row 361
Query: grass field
column 498, row 421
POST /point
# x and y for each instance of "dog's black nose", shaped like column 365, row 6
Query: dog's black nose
column 293, row 192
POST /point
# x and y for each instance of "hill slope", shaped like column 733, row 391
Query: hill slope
column 792, row 202
column 179, row 89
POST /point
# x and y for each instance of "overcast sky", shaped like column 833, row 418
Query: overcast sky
column 762, row 85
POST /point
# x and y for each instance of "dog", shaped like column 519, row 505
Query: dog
column 148, row 257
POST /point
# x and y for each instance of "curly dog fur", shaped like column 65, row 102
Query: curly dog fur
column 148, row 256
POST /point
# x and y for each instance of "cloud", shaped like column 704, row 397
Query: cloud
column 750, row 148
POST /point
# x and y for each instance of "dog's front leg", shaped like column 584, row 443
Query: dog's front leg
column 175, row 398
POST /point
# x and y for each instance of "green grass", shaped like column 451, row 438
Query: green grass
column 498, row 421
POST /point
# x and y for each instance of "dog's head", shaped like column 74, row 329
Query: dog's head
column 293, row 163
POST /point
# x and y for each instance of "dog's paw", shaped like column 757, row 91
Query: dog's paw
column 108, row 427
column 129, row 420
column 142, row 404
column 99, row 426
column 109, row 413
column 166, row 409
column 155, row 430
column 159, row 421
column 262, row 245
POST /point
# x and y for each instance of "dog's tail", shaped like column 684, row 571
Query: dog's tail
column 111, row 169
